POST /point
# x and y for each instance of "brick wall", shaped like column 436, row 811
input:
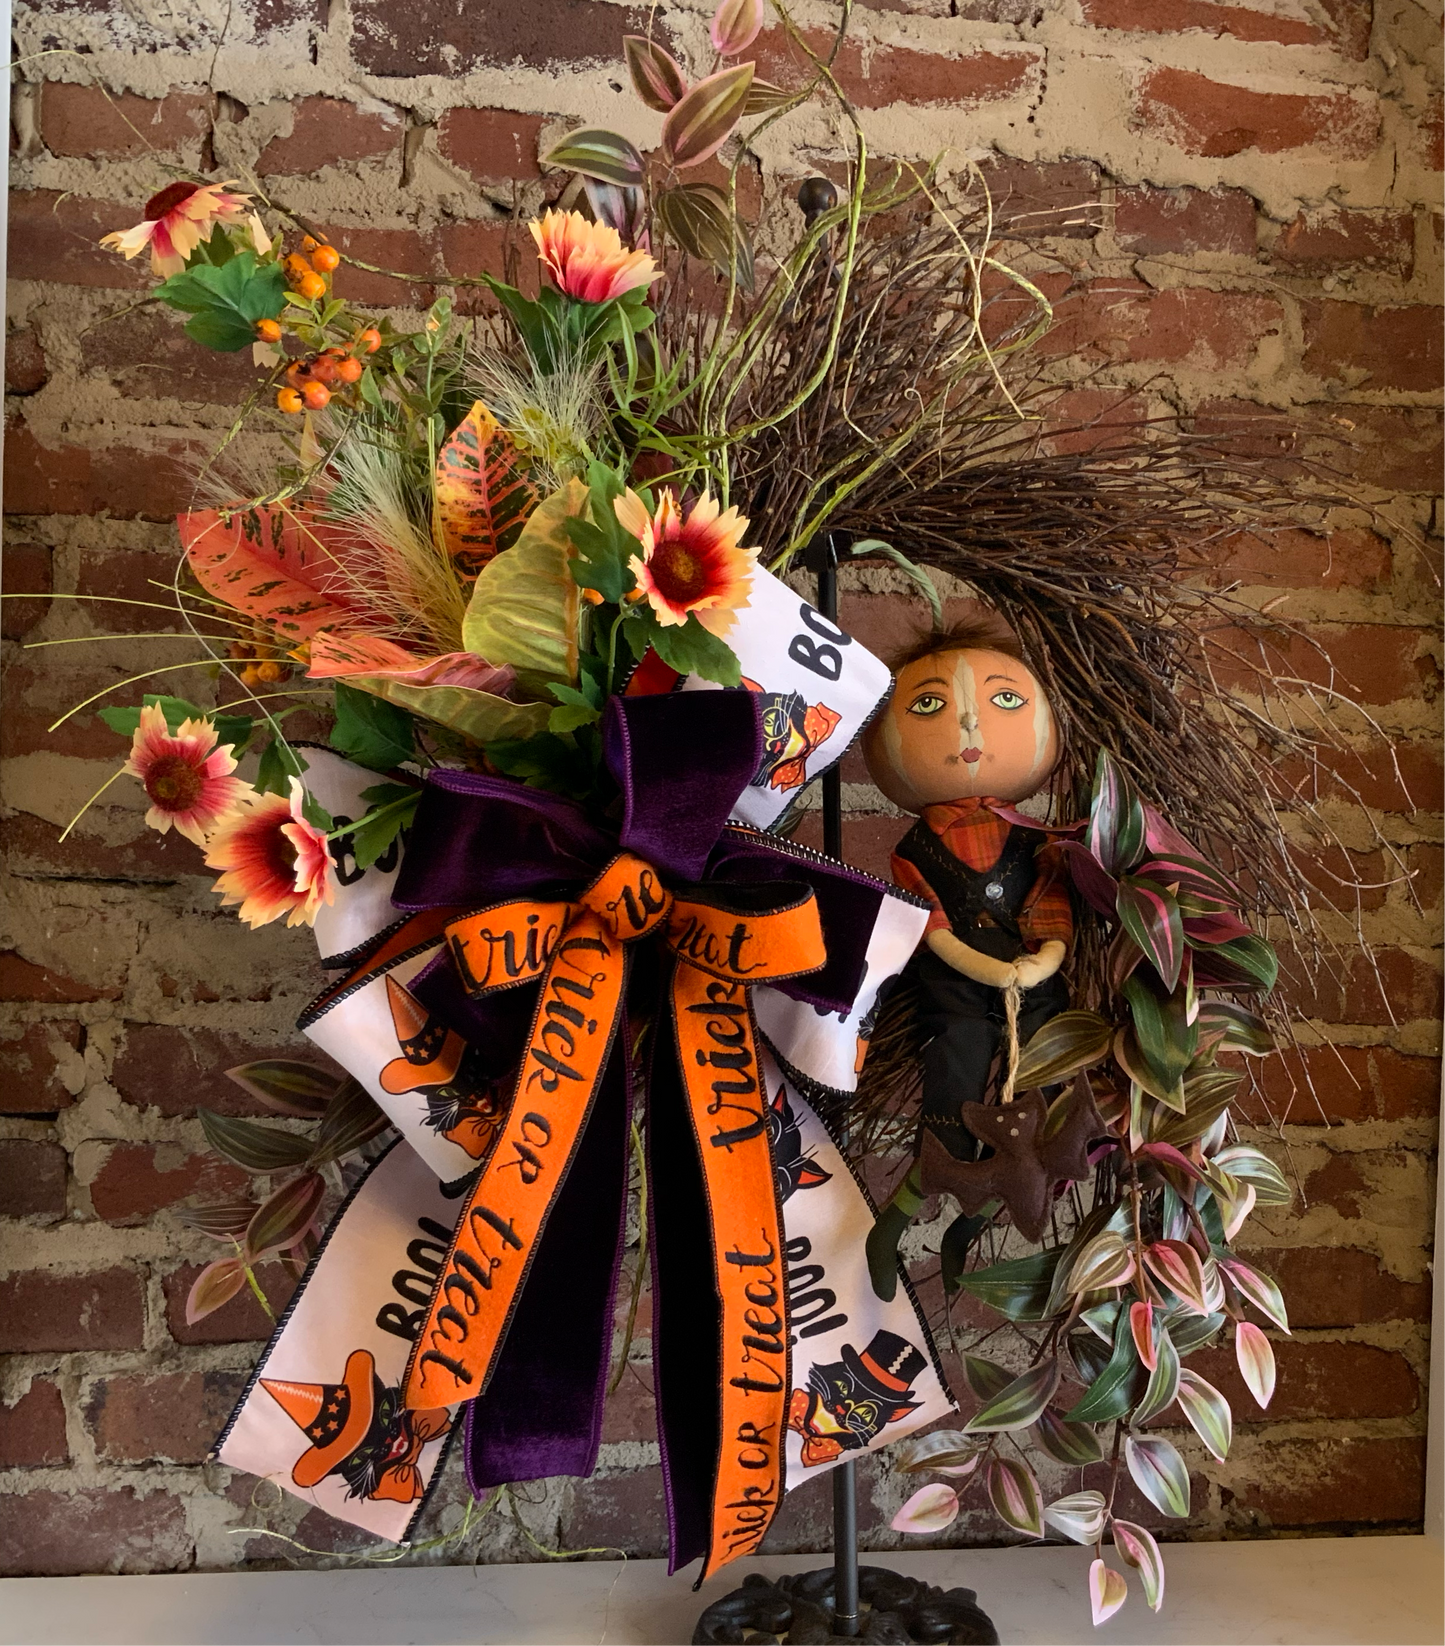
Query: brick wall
column 1233, row 206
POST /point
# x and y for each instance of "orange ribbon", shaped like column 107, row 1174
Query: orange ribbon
column 724, row 940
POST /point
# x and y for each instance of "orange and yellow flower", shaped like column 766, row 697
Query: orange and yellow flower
column 689, row 565
column 588, row 260
column 179, row 218
column 275, row 862
column 187, row 776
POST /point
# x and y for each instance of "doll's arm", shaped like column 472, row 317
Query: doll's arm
column 1035, row 968
column 982, row 968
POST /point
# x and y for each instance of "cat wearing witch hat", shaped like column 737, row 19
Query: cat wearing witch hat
column 436, row 1061
column 360, row 1430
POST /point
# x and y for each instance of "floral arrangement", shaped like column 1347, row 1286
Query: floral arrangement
column 482, row 543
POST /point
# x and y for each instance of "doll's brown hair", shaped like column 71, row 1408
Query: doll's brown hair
column 980, row 631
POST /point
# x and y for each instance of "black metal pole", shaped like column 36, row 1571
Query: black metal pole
column 845, row 1490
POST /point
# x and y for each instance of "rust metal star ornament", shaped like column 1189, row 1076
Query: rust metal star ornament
column 1026, row 1164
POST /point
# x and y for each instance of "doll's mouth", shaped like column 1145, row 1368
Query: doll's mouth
column 971, row 757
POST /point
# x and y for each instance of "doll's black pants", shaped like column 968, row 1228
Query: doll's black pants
column 963, row 1023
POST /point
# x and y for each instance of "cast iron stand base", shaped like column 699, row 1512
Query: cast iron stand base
column 901, row 1609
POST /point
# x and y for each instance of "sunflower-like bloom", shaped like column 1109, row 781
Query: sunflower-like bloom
column 179, row 218
column 275, row 863
column 588, row 260
column 187, row 777
column 689, row 565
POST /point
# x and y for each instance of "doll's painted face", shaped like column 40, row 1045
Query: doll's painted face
column 962, row 723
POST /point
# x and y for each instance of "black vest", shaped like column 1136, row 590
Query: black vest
column 982, row 906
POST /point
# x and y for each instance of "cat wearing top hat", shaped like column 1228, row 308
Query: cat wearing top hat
column 360, row 1430
column 967, row 734
column 849, row 1402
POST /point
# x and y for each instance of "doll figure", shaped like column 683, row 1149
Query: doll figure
column 966, row 735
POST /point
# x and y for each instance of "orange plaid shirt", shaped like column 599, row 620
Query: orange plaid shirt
column 976, row 835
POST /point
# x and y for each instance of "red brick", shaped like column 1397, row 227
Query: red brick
column 1353, row 21
column 1124, row 320
column 494, row 145
column 439, row 37
column 32, row 1430
column 631, row 1413
column 32, row 1178
column 64, row 1534
column 41, row 1310
column 1176, row 16
column 1381, row 662
column 1341, row 1184
column 148, row 354
column 1374, row 348
column 28, row 1060
column 1430, row 136
column 1083, row 419
column 123, row 482
column 1373, row 776
column 27, row 571
column 1351, row 993
column 1334, row 238
column 56, row 237
column 140, row 1179
column 1394, row 448
column 1350, row 1083
column 242, row 1320
column 22, row 979
column 1337, row 1481
column 32, row 846
column 171, row 1418
column 174, row 1069
column 1297, row 559
column 403, row 251
column 1059, row 198
column 868, row 842
column 1333, row 1382
column 1335, row 1286
column 324, row 132
column 1208, row 117
column 877, row 75
column 472, row 246
column 89, row 123
column 26, row 371
column 1148, row 221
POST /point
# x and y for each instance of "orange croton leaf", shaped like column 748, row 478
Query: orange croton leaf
column 278, row 566
column 483, row 495
column 335, row 656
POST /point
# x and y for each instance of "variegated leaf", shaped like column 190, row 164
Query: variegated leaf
column 985, row 1378
column 1255, row 1354
column 1208, row 1412
column 281, row 1220
column 1014, row 1493
column 696, row 216
column 1076, row 1444
column 483, row 496
column 1141, row 1324
column 735, row 25
column 1079, row 1516
column 1066, row 1043
column 1163, row 1383
column 657, row 77
column 1176, row 1265
column 703, row 120
column 1259, row 1289
column 1158, row 1472
column 1018, row 1404
column 595, row 152
column 1108, row 1591
column 216, row 1284
column 1243, row 1160
column 299, row 1089
column 1151, row 917
column 1137, row 1548
column 944, row 1449
column 1105, row 1261
column 930, row 1509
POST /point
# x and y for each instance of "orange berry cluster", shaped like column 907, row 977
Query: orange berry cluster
column 267, row 671
column 311, row 382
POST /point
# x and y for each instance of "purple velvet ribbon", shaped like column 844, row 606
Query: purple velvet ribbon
column 679, row 762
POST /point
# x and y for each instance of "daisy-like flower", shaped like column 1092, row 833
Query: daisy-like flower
column 689, row 565
column 179, row 218
column 275, row 863
column 588, row 260
column 187, row 776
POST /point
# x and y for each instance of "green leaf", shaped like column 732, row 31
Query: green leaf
column 1159, row 1473
column 1018, row 1404
column 1110, row 1395
column 393, row 807
column 697, row 217
column 547, row 762
column 691, row 649
column 1163, row 1383
column 1089, row 1355
column 1075, row 1444
column 523, row 608
column 985, row 1377
column 299, row 1089
column 371, row 731
column 1242, row 963
column 226, row 302
column 1208, row 1092
column 278, row 764
column 1165, row 1035
column 233, row 731
column 567, row 717
column 256, row 1148
column 1018, row 1289
column 1150, row 915
column 595, row 152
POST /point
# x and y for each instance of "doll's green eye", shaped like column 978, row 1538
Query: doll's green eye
column 929, row 703
column 1008, row 700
